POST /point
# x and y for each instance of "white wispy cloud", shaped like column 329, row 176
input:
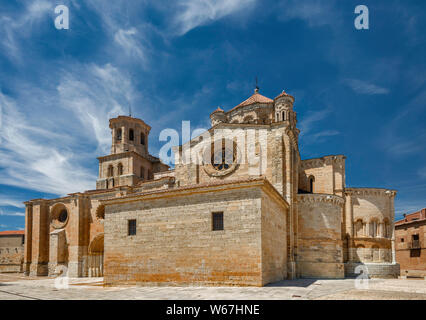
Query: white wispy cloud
column 363, row 87
column 15, row 29
column 422, row 173
column 193, row 13
column 32, row 159
column 12, row 214
column 11, row 201
column 128, row 41
column 131, row 38
column 408, row 206
column 323, row 134
column 50, row 154
column 401, row 147
column 103, row 93
column 307, row 123
column 314, row 12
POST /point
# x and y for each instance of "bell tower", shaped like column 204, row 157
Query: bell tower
column 129, row 134
column 284, row 109
column 129, row 162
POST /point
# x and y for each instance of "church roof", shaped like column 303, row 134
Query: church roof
column 12, row 233
column 255, row 98
column 283, row 94
column 219, row 109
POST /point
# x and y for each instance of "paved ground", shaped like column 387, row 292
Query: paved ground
column 14, row 286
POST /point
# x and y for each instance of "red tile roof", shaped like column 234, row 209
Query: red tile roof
column 219, row 109
column 255, row 98
column 415, row 216
column 283, row 94
column 12, row 232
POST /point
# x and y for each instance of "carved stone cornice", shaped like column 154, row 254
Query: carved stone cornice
column 370, row 192
column 325, row 198
column 323, row 161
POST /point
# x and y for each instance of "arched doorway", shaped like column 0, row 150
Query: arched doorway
column 96, row 256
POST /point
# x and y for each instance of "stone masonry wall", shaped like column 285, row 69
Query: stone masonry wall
column 175, row 244
column 319, row 240
column 274, row 240
column 369, row 223
column 11, row 254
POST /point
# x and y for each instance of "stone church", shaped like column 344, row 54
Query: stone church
column 240, row 207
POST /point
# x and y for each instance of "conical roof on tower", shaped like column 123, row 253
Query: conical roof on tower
column 283, row 94
column 219, row 109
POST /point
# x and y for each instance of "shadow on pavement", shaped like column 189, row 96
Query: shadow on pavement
column 293, row 283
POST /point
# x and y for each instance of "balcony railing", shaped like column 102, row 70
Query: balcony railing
column 415, row 244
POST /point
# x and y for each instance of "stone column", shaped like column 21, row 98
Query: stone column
column 28, row 237
column 392, row 212
column 40, row 240
column 291, row 265
column 349, row 225
column 77, row 248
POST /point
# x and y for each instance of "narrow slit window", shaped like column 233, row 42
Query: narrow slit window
column 217, row 218
column 131, row 135
column 131, row 227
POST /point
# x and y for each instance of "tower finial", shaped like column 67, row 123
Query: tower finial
column 130, row 110
column 256, row 90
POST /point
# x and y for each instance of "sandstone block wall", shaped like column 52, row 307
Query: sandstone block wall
column 11, row 253
column 175, row 244
column 319, row 241
column 274, row 240
column 374, row 270
column 369, row 224
column 328, row 173
column 260, row 152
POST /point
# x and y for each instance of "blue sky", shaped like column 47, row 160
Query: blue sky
column 358, row 93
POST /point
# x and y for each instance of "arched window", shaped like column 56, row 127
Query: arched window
column 120, row 169
column 386, row 232
column 142, row 173
column 119, row 135
column 373, row 228
column 142, row 138
column 110, row 171
column 358, row 228
column 283, row 115
column 248, row 119
column 131, row 135
column 311, row 184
